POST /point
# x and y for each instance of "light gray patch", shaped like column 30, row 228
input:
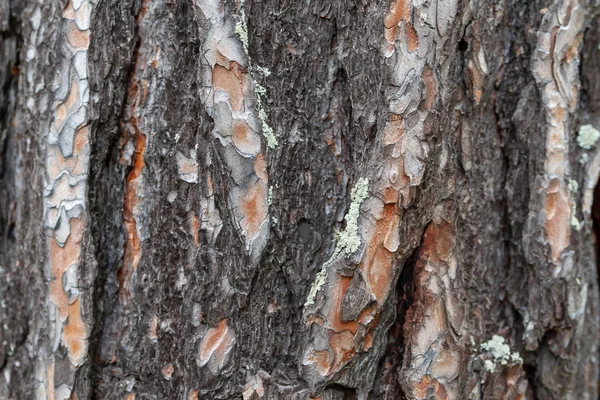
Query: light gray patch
column 66, row 136
column 241, row 168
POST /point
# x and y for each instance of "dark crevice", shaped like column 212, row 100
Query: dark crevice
column 346, row 392
column 106, row 200
column 389, row 385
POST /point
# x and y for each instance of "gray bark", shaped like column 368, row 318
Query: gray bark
column 287, row 199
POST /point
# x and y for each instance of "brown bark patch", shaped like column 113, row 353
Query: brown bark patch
column 377, row 262
column 75, row 334
column 78, row 39
column 428, row 78
column 230, row 82
column 254, row 208
column 133, row 184
column 61, row 258
column 558, row 210
column 245, row 140
column 260, row 167
column 216, row 345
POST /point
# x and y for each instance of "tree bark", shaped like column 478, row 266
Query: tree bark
column 285, row 199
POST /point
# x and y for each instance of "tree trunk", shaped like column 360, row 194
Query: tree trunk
column 286, row 199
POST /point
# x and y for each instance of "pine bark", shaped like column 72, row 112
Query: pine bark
column 282, row 199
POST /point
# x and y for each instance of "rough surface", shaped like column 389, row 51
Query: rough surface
column 290, row 200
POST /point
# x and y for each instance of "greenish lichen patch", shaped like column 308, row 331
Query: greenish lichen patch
column 320, row 280
column 500, row 352
column 587, row 136
column 241, row 29
column 573, row 186
column 349, row 240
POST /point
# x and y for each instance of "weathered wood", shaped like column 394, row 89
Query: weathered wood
column 295, row 199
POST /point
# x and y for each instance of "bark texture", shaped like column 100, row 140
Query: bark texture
column 285, row 199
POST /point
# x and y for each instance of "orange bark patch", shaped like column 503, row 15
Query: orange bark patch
column 399, row 11
column 69, row 12
column 393, row 130
column 61, row 258
column 167, row 371
column 342, row 344
column 79, row 40
column 377, row 263
column 193, row 395
column 389, row 195
column 195, row 227
column 334, row 319
column 245, row 140
column 476, row 80
column 321, row 360
column 152, row 328
column 254, row 207
column 75, row 334
column 216, row 343
column 133, row 184
column 558, row 211
column 421, row 389
column 260, row 167
column 230, row 82
column 413, row 38
column 428, row 78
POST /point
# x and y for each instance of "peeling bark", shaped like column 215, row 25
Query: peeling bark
column 295, row 200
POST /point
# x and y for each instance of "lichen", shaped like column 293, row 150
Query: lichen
column 489, row 366
column 349, row 240
column 500, row 352
column 241, row 28
column 587, row 136
column 270, row 196
column 573, row 186
column 320, row 280
column 267, row 131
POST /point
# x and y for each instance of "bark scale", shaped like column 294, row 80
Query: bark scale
column 283, row 199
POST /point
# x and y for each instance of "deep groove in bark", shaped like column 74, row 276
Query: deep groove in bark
column 391, row 363
column 106, row 288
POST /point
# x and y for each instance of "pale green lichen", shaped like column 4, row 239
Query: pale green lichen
column 500, row 352
column 349, row 240
column 587, row 136
column 270, row 196
column 262, row 115
column 266, row 72
column 573, row 186
column 241, row 29
column 489, row 366
column 584, row 159
column 317, row 284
